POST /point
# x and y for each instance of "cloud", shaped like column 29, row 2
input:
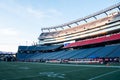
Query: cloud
column 35, row 13
column 54, row 12
column 8, row 32
column 21, row 10
column 28, row 11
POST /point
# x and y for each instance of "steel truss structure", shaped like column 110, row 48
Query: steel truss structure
column 115, row 7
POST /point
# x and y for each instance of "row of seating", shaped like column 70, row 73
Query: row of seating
column 103, row 26
column 105, row 38
column 79, row 28
column 38, row 48
column 97, row 52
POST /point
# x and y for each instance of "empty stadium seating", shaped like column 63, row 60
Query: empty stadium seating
column 68, row 34
column 38, row 48
column 79, row 28
column 97, row 52
column 104, row 51
column 94, row 41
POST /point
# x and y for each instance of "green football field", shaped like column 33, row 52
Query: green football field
column 46, row 71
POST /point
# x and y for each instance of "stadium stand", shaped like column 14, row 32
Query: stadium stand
column 90, row 42
column 52, row 47
column 105, row 38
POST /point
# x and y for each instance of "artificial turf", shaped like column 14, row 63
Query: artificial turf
column 46, row 71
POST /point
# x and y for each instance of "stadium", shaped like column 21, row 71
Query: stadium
column 84, row 49
column 92, row 41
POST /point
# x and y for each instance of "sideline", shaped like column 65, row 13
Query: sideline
column 89, row 65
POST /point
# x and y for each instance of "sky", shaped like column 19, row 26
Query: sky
column 21, row 20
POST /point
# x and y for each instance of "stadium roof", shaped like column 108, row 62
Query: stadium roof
column 104, row 11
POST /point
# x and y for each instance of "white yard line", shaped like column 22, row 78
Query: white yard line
column 103, row 75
